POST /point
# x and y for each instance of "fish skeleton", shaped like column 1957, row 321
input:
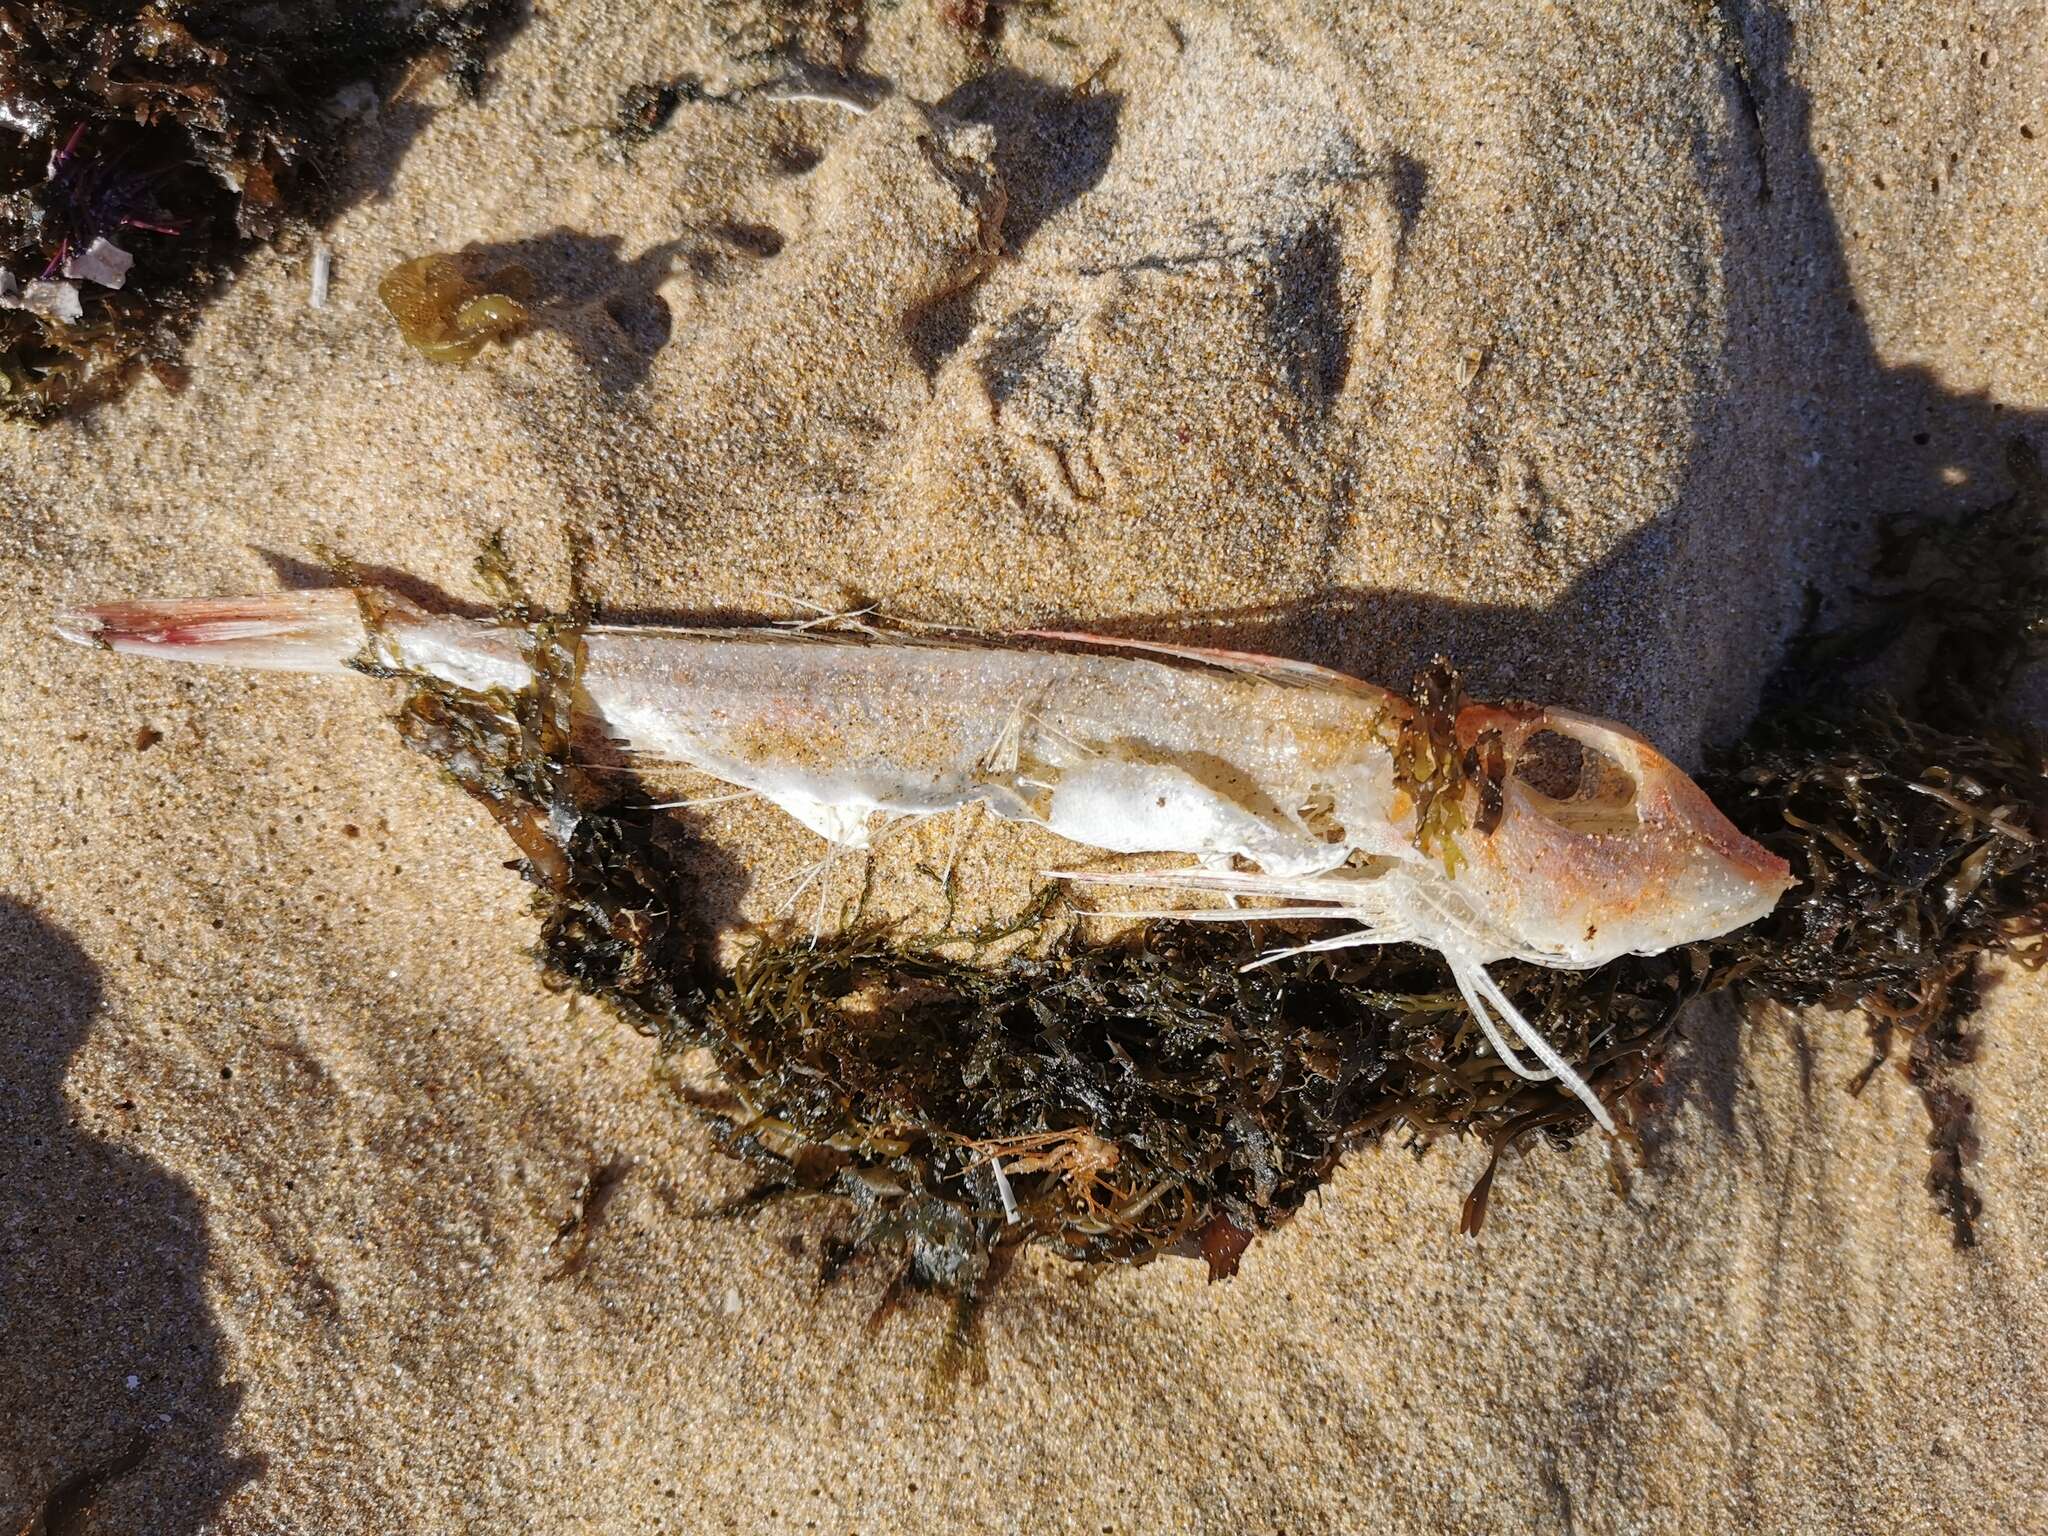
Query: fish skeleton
column 1316, row 794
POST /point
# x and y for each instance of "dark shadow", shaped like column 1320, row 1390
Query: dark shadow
column 297, row 575
column 1855, row 441
column 1816, row 437
column 1704, row 1068
column 372, row 140
column 1407, row 181
column 1307, row 319
column 1829, row 440
column 363, row 168
column 1871, row 440
column 607, row 307
column 112, row 1406
column 1053, row 142
column 1017, row 352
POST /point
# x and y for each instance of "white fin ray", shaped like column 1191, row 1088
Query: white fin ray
column 704, row 800
column 1222, row 914
column 1479, row 990
column 1461, row 973
column 1356, row 939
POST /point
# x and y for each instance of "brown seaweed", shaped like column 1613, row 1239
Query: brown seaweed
column 1915, row 822
column 448, row 308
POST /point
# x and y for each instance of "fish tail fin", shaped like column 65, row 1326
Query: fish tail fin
column 287, row 632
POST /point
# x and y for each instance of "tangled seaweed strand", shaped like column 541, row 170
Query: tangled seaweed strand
column 1915, row 826
column 184, row 134
column 1916, row 852
column 1116, row 1102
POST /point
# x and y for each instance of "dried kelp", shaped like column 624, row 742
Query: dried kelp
column 1430, row 766
column 1118, row 1101
column 1121, row 1101
column 151, row 146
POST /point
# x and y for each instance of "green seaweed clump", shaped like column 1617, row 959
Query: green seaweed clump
column 447, row 311
column 150, row 147
column 1437, row 773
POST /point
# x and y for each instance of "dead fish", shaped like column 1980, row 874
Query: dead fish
column 1503, row 832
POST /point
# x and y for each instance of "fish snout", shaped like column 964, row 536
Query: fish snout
column 1669, row 800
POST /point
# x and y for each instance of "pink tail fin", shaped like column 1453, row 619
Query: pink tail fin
column 288, row 632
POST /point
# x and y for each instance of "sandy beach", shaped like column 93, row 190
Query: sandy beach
column 1578, row 342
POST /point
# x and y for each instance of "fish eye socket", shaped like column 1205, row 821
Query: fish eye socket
column 1576, row 785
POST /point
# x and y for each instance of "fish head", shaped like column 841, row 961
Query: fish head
column 1599, row 845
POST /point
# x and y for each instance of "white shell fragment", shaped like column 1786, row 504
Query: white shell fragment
column 53, row 301
column 102, row 262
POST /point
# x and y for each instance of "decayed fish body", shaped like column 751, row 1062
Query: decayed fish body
column 1120, row 753
column 1311, row 792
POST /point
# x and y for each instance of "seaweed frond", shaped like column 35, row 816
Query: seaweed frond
column 448, row 308
column 1916, row 824
column 1917, row 853
column 1429, row 766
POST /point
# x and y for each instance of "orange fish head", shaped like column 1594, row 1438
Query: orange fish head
column 1600, row 845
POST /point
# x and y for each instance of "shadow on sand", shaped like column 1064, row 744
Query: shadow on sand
column 112, row 1405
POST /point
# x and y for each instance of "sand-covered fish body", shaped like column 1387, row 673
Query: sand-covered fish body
column 1122, row 753
column 1487, row 832
column 1127, row 753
